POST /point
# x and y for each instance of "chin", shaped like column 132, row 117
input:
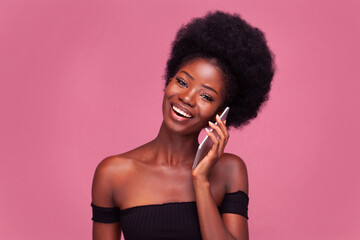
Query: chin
column 180, row 128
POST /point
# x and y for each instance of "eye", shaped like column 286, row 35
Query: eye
column 181, row 82
column 207, row 97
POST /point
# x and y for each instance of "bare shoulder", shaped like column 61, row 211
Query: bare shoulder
column 114, row 165
column 119, row 167
column 234, row 171
column 233, row 162
column 109, row 173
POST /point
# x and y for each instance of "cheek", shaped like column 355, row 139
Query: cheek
column 171, row 91
column 206, row 111
column 167, row 91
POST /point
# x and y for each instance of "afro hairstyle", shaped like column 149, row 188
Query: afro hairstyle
column 240, row 51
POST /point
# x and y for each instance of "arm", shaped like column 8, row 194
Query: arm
column 102, row 196
column 238, row 180
column 212, row 225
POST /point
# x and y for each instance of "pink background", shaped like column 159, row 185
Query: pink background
column 82, row 80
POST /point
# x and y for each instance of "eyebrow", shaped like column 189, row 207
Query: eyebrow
column 203, row 85
column 188, row 74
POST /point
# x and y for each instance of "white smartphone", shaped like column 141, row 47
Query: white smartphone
column 207, row 143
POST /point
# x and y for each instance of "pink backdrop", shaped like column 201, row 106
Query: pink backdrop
column 82, row 80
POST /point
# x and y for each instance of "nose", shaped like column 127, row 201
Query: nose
column 188, row 97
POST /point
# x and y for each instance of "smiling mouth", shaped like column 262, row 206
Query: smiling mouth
column 180, row 113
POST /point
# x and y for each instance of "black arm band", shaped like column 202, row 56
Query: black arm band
column 236, row 202
column 105, row 214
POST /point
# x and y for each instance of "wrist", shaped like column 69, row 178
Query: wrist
column 199, row 180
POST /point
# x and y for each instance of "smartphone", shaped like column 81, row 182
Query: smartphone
column 207, row 143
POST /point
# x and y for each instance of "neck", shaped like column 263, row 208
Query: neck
column 175, row 149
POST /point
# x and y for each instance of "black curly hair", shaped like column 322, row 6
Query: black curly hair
column 239, row 50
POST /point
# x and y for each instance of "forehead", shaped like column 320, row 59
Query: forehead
column 204, row 72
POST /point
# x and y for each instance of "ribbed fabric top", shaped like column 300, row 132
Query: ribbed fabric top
column 174, row 220
column 161, row 221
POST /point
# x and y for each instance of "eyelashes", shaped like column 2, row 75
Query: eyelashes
column 181, row 82
column 204, row 96
column 207, row 97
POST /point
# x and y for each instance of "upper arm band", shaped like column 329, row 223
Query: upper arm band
column 105, row 214
column 236, row 202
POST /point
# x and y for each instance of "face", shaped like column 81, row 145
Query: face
column 193, row 97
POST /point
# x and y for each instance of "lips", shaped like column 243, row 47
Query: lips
column 181, row 111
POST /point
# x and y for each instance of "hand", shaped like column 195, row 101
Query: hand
column 204, row 167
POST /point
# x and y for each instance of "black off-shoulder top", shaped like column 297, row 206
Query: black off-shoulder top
column 174, row 220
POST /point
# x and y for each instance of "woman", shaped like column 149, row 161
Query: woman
column 152, row 192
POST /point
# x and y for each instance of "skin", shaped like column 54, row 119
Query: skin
column 161, row 171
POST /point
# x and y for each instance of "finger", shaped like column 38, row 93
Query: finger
column 222, row 126
column 218, row 130
column 215, row 145
column 222, row 137
column 221, row 123
column 213, row 137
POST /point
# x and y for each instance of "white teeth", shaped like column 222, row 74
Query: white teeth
column 181, row 112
